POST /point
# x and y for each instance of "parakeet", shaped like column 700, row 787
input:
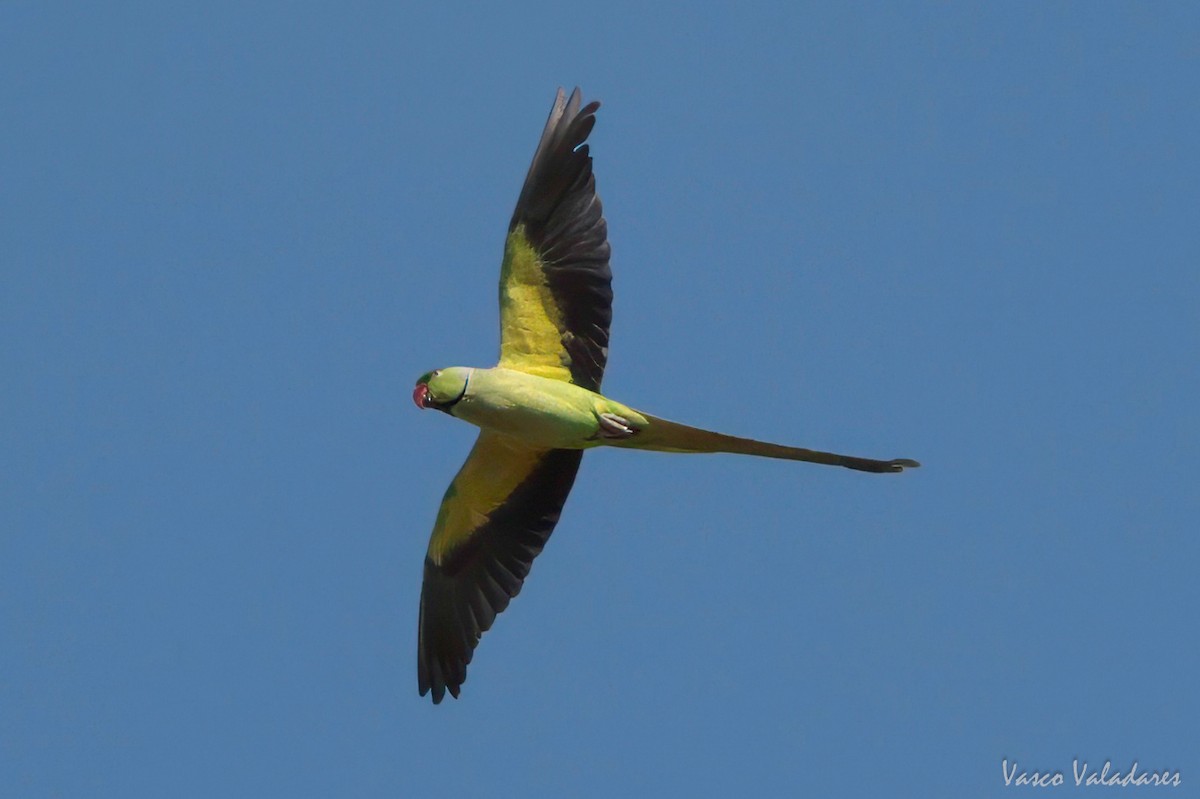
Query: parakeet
column 539, row 408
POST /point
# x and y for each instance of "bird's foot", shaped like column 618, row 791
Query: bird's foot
column 613, row 426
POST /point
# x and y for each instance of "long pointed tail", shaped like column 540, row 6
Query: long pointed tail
column 661, row 435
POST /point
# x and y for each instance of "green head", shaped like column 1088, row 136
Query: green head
column 441, row 388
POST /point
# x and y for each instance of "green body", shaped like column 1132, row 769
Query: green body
column 552, row 414
column 539, row 411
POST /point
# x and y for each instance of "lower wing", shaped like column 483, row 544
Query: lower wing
column 495, row 518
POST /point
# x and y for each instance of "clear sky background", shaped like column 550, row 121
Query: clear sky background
column 232, row 235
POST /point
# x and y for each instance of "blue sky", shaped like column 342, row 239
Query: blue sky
column 232, row 237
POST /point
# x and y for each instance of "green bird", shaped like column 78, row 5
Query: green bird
column 539, row 408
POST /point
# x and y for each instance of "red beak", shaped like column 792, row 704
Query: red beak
column 420, row 394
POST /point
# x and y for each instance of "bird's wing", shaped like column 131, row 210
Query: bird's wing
column 555, row 283
column 494, row 520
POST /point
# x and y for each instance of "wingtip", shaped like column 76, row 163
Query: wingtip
column 577, row 99
column 900, row 464
column 438, row 691
column 569, row 105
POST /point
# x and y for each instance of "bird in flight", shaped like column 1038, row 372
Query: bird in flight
column 540, row 407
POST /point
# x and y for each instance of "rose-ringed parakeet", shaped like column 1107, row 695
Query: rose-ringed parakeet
column 540, row 407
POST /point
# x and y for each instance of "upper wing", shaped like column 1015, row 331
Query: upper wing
column 555, row 283
column 494, row 520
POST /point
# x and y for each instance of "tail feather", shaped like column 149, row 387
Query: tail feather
column 661, row 435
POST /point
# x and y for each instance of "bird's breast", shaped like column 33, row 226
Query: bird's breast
column 538, row 411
